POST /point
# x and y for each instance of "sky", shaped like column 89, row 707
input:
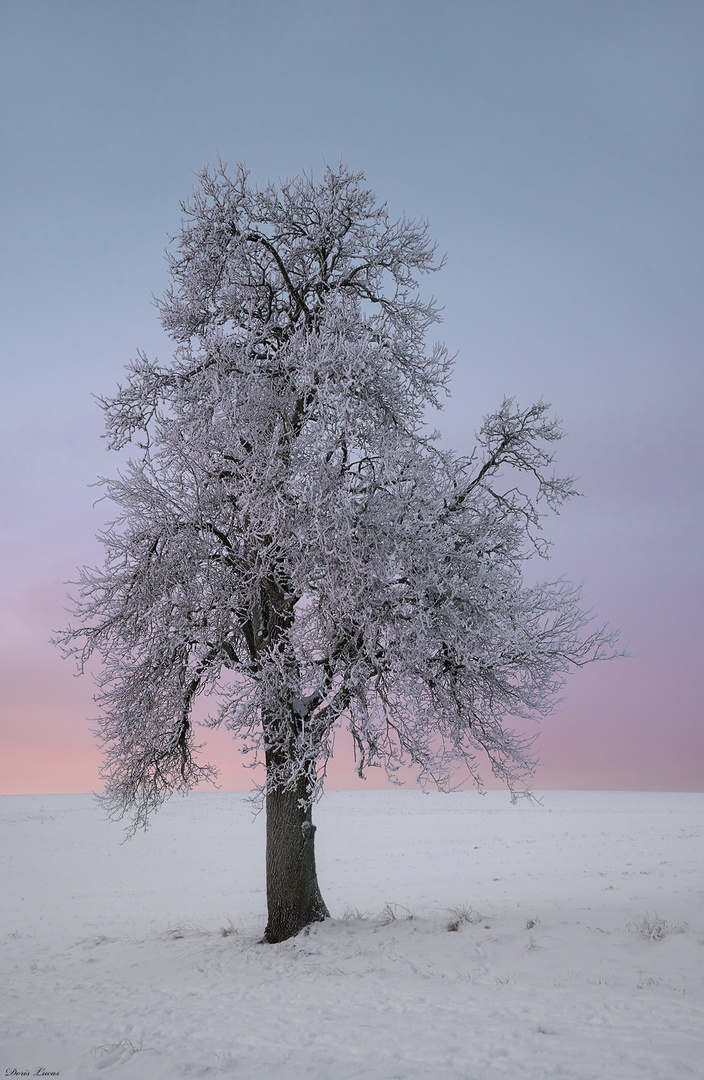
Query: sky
column 556, row 149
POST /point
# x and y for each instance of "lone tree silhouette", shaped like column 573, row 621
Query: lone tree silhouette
column 290, row 538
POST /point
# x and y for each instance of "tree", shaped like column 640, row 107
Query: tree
column 292, row 541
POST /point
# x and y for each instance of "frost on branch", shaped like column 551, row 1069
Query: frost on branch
column 289, row 538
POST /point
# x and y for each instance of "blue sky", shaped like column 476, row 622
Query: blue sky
column 556, row 149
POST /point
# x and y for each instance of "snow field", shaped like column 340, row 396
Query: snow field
column 471, row 939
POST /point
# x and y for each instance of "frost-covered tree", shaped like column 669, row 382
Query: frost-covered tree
column 292, row 541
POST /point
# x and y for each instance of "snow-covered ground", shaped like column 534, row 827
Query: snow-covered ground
column 471, row 939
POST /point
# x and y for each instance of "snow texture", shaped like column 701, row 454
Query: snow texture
column 471, row 939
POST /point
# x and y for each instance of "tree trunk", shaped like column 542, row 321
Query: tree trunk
column 292, row 893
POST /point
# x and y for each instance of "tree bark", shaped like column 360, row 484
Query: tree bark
column 292, row 893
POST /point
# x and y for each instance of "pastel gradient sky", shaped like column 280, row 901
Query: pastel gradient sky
column 556, row 147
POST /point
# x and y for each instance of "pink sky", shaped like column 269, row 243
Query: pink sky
column 622, row 725
column 556, row 150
